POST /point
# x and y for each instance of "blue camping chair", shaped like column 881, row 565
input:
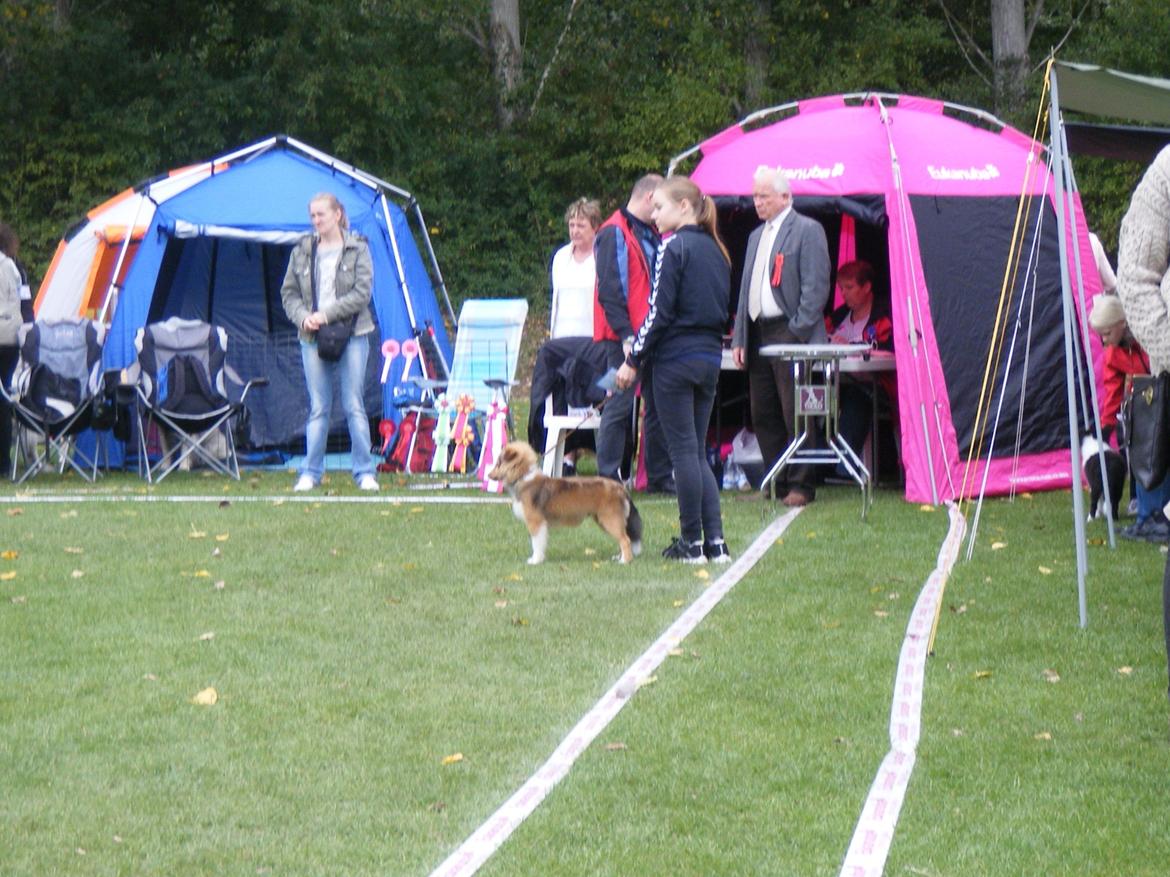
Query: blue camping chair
column 487, row 348
column 483, row 365
column 57, row 392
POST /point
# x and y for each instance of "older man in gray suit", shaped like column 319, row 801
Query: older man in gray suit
column 781, row 301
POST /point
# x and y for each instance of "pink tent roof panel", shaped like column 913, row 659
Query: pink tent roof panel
column 831, row 149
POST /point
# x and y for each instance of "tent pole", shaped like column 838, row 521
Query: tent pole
column 398, row 264
column 422, row 224
column 1067, row 304
column 105, row 317
column 1092, row 405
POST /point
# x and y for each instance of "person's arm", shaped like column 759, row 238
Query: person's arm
column 613, row 272
column 291, row 296
column 814, row 281
column 1143, row 257
column 663, row 300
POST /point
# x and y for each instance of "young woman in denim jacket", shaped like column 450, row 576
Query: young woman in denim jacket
column 339, row 264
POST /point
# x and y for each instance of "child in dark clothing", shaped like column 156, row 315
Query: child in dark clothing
column 682, row 337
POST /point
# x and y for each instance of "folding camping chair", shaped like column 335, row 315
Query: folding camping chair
column 487, row 348
column 181, row 383
column 57, row 393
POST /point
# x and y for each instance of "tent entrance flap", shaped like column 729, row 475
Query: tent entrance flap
column 964, row 284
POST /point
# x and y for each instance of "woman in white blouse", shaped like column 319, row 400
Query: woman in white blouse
column 572, row 274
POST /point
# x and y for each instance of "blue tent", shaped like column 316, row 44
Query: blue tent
column 218, row 251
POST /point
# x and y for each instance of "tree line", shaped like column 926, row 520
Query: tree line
column 497, row 113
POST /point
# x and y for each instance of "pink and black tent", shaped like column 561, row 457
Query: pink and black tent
column 945, row 201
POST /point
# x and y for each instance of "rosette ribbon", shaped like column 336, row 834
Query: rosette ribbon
column 462, row 433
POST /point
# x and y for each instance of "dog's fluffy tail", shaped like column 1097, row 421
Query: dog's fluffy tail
column 634, row 527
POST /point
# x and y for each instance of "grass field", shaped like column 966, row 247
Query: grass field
column 357, row 648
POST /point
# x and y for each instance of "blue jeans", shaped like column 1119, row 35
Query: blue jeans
column 351, row 369
column 1150, row 502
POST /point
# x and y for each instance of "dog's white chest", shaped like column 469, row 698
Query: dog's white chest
column 518, row 510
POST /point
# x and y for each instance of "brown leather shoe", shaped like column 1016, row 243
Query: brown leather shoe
column 795, row 499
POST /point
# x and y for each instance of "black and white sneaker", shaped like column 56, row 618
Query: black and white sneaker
column 687, row 552
column 716, row 551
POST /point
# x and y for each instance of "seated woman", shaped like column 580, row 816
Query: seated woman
column 861, row 320
column 564, row 364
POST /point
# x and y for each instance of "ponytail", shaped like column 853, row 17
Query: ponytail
column 678, row 189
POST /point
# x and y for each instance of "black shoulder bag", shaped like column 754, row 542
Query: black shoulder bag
column 1147, row 428
column 332, row 337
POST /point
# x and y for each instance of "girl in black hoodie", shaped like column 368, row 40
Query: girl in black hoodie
column 682, row 336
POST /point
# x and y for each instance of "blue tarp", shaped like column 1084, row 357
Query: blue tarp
column 209, row 254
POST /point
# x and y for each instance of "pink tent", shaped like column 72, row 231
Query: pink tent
column 930, row 194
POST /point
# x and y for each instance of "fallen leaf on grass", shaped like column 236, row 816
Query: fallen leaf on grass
column 1050, row 676
column 960, row 609
column 677, row 604
column 206, row 697
column 72, row 513
column 12, row 513
column 589, row 552
column 1124, row 671
column 998, row 546
column 201, row 574
column 702, row 574
column 437, row 807
column 956, row 732
column 7, row 576
column 1043, row 735
column 71, row 549
column 674, row 653
column 215, row 552
column 453, row 758
column 204, row 637
column 982, row 674
column 649, row 680
column 500, row 604
column 881, row 613
column 1044, row 571
column 77, row 574
column 150, row 677
column 926, row 508
column 515, row 577
column 10, row 554
column 414, row 510
column 517, row 621
column 222, row 537
column 616, row 746
column 197, row 534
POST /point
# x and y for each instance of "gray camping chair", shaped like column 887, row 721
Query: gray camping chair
column 183, row 384
column 57, row 393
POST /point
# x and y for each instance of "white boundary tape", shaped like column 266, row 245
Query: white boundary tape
column 874, row 833
column 274, row 499
column 479, row 847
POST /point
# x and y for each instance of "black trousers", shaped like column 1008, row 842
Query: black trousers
column 772, row 396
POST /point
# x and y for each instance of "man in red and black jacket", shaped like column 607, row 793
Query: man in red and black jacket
column 624, row 251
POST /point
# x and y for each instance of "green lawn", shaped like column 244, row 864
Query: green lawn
column 355, row 647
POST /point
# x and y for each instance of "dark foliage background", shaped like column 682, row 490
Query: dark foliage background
column 97, row 95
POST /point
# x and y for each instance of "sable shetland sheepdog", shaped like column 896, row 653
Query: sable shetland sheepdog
column 1114, row 475
column 541, row 502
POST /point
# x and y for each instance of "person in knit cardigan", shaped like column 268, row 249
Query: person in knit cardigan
column 1143, row 283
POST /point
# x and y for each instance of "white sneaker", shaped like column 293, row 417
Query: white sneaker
column 368, row 482
column 305, row 482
